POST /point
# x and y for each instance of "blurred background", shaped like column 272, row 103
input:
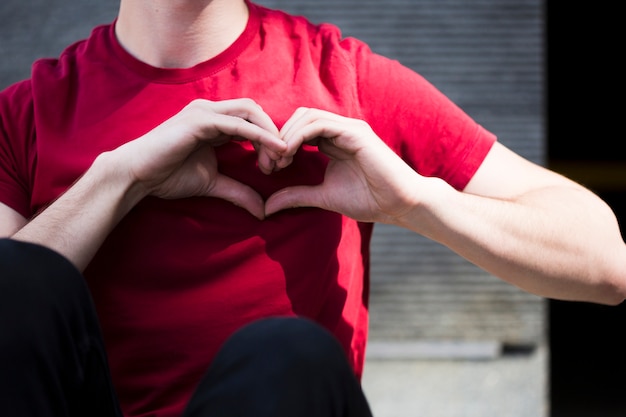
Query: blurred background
column 447, row 339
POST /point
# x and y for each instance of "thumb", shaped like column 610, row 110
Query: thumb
column 292, row 197
column 239, row 194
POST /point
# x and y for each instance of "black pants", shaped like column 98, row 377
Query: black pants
column 53, row 362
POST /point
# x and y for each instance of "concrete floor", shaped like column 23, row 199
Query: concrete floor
column 504, row 386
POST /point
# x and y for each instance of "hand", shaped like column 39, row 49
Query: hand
column 364, row 180
column 177, row 158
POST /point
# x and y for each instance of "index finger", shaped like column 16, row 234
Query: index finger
column 246, row 109
column 242, row 119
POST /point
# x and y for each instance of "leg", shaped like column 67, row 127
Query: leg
column 52, row 361
column 280, row 367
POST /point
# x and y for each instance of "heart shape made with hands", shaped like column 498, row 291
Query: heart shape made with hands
column 267, row 190
column 306, row 128
column 355, row 182
column 363, row 178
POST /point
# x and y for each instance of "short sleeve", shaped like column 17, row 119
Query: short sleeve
column 16, row 150
column 430, row 132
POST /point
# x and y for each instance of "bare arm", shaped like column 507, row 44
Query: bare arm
column 77, row 223
column 11, row 221
column 525, row 224
column 175, row 160
column 535, row 229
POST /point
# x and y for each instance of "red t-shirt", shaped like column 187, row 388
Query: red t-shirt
column 175, row 278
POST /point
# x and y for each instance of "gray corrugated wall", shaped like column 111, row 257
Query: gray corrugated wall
column 487, row 55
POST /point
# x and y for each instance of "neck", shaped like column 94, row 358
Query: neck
column 179, row 33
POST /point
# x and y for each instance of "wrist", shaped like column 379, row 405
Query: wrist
column 428, row 202
column 113, row 179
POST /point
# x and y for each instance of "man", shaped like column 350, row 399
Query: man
column 207, row 164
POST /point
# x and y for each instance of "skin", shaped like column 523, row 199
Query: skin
column 521, row 222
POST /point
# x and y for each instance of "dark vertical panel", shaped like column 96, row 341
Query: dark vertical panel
column 585, row 81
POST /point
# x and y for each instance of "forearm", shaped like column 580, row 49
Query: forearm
column 566, row 245
column 76, row 224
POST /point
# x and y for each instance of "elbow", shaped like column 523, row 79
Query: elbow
column 619, row 295
column 612, row 286
column 614, row 289
column 614, row 300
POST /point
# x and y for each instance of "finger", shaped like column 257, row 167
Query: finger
column 308, row 126
column 246, row 109
column 267, row 164
column 295, row 118
column 305, row 116
column 241, row 118
column 301, row 117
column 322, row 133
column 292, row 197
column 240, row 129
column 239, row 194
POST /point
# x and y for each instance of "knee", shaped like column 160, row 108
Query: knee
column 292, row 343
column 277, row 367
